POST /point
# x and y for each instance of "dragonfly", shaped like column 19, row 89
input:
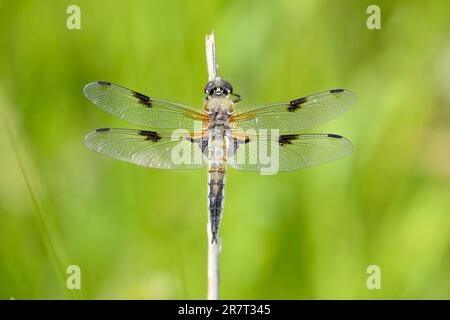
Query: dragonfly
column 221, row 134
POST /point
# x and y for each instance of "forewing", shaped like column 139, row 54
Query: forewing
column 295, row 151
column 297, row 114
column 140, row 109
column 149, row 148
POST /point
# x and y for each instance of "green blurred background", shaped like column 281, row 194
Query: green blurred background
column 141, row 233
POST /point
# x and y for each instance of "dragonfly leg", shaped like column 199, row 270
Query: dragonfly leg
column 238, row 97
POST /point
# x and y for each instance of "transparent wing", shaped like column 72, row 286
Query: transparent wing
column 149, row 148
column 297, row 114
column 286, row 152
column 140, row 109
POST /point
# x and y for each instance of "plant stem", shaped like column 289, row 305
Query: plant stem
column 213, row 247
column 211, row 56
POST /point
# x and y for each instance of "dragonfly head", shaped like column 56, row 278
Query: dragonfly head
column 218, row 87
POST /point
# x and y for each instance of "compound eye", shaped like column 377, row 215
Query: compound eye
column 209, row 88
column 228, row 88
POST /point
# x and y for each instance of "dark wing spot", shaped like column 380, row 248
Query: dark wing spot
column 287, row 139
column 105, row 83
column 204, row 146
column 237, row 141
column 143, row 99
column 332, row 135
column 336, row 90
column 295, row 104
column 235, row 145
column 102, row 130
column 150, row 135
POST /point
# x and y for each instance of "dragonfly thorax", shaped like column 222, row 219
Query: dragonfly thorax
column 219, row 110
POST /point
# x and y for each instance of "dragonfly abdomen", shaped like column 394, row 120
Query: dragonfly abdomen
column 217, row 163
column 216, row 198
